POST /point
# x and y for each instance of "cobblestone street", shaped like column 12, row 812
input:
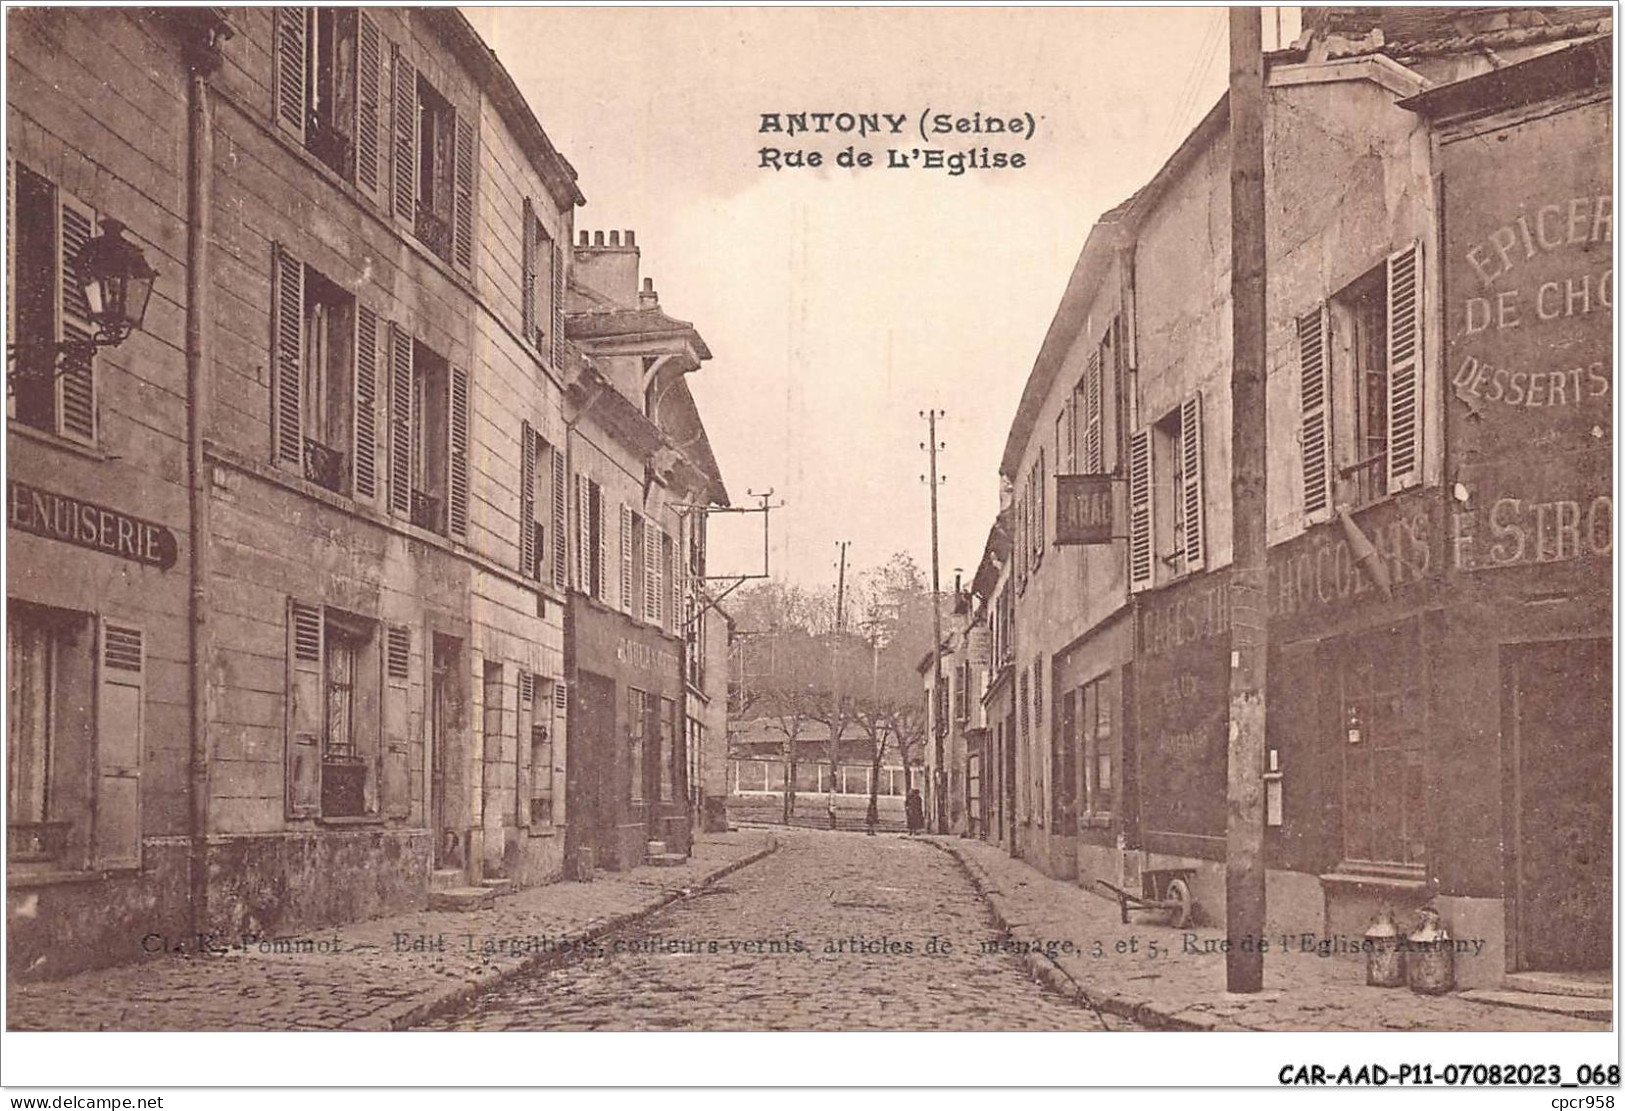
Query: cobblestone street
column 832, row 932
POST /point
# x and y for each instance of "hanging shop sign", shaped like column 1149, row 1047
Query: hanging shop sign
column 1083, row 509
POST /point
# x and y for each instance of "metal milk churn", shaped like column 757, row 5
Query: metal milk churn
column 1432, row 958
column 1384, row 956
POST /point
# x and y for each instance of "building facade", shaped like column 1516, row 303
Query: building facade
column 1439, row 502
column 354, row 385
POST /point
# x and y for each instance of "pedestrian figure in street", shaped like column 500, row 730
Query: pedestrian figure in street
column 914, row 807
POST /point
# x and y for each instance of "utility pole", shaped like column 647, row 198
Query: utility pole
column 939, row 804
column 1249, row 628
column 838, row 724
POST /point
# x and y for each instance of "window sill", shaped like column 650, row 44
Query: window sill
column 543, row 831
column 1098, row 820
column 1394, row 878
column 61, row 878
column 358, row 820
column 50, row 439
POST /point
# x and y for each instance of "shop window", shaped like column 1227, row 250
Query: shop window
column 333, row 718
column 639, row 711
column 46, row 230
column 1359, row 361
column 666, row 757
column 1097, row 706
column 1380, row 721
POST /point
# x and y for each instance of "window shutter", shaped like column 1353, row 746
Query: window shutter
column 462, row 214
column 397, row 777
column 626, row 598
column 1314, row 395
column 120, row 714
column 1404, row 367
column 287, row 406
column 1140, row 558
column 1038, row 691
column 369, row 99
column 400, row 421
column 600, row 568
column 651, row 570
column 677, row 612
column 527, row 272
column 1094, row 454
column 527, row 501
column 556, row 344
column 76, row 385
column 457, row 451
column 561, row 556
column 406, row 136
column 1190, row 446
column 1041, row 484
column 583, row 547
column 1069, row 442
column 304, row 709
column 524, row 725
column 288, row 76
column 364, row 454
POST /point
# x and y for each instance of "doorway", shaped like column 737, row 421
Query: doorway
column 445, row 723
column 592, row 755
column 1557, row 730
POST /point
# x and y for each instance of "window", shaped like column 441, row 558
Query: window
column 75, row 718
column 666, row 757
column 670, row 617
column 429, row 437
column 1064, row 764
column 641, row 735
column 1089, row 397
column 433, row 165
column 536, row 713
column 1166, row 499
column 541, row 478
column 47, row 229
column 333, row 704
column 1096, row 709
column 327, row 89
column 1037, row 483
column 541, row 286
column 590, row 539
column 1359, row 358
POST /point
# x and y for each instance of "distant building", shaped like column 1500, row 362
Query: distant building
column 759, row 767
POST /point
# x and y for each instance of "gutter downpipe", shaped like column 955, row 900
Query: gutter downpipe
column 202, row 59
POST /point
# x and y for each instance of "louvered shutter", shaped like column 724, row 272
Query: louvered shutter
column 1094, row 453
column 405, row 138
column 527, row 501
column 561, row 544
column 555, row 346
column 627, row 595
column 304, row 709
column 120, row 717
column 76, row 384
column 673, row 574
column 397, row 774
column 1069, row 442
column 1314, row 396
column 288, row 70
column 369, row 99
column 677, row 612
column 400, row 421
column 1404, row 368
column 462, row 212
column 287, row 403
column 457, row 461
column 651, row 571
column 524, row 726
column 1140, row 555
column 583, row 547
column 364, row 449
column 1040, row 523
column 600, row 568
column 1191, row 498
column 527, row 272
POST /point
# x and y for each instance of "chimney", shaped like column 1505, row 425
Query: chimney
column 608, row 265
column 648, row 298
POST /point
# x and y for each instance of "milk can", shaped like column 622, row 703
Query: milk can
column 1432, row 958
column 1384, row 956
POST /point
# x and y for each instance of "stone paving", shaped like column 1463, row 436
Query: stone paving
column 384, row 974
column 1144, row 970
column 834, row 931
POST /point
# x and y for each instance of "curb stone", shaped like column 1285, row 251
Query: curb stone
column 454, row 998
column 1054, row 976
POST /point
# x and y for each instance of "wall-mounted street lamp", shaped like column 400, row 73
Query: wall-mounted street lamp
column 117, row 282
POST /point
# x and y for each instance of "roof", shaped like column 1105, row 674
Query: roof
column 1585, row 65
column 557, row 173
column 1425, row 32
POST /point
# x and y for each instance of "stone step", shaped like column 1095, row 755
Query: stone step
column 1599, row 985
column 444, row 879
column 462, row 898
column 1577, row 1006
column 665, row 860
column 654, row 848
column 499, row 884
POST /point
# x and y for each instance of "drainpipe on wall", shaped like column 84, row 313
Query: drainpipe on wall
column 202, row 59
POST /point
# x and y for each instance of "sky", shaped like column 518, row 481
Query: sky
column 840, row 302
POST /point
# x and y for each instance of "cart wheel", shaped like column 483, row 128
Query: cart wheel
column 1178, row 892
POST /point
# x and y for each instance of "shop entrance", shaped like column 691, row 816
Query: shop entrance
column 1557, row 738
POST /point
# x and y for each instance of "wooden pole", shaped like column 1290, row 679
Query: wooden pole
column 1249, row 631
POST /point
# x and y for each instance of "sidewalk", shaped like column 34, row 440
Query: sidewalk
column 1180, row 990
column 360, row 978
